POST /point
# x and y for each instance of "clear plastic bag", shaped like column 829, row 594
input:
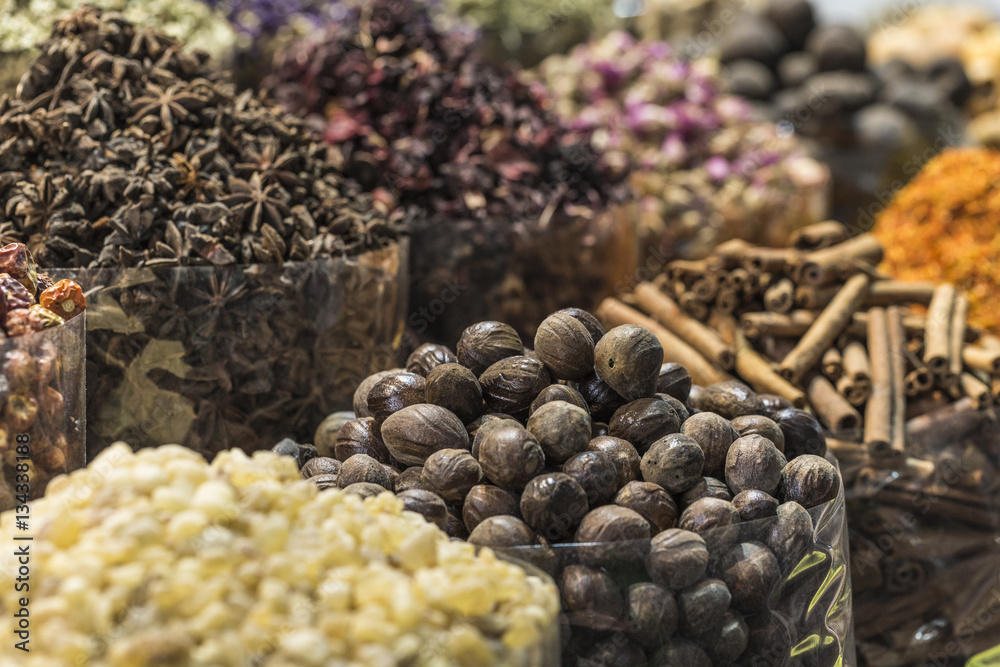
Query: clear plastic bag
column 240, row 356
column 43, row 419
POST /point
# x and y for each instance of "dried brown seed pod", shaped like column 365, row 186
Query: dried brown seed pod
column 677, row 558
column 715, row 434
column 727, row 641
column 502, row 531
column 760, row 425
column 562, row 430
column 682, row 410
column 558, row 392
column 729, row 399
column 363, row 468
column 803, row 433
column 429, row 356
column 774, row 404
column 681, row 653
column 651, row 502
column 602, row 400
column 427, row 504
column 454, row 387
column 454, row 526
column 410, row 479
column 321, row 465
column 791, row 535
column 451, row 473
column 644, row 421
column 393, row 393
column 365, row 387
column 754, row 462
column 593, row 325
column 809, row 481
column 596, row 473
column 565, row 346
column 651, row 613
column 613, row 535
column 485, row 430
column 623, row 455
column 706, row 487
column 324, row 482
column 364, row 489
column 416, row 432
column 553, row 505
column 750, row 571
column 674, row 462
column 485, row 343
column 628, row 358
column 510, row 456
column 585, row 590
column 674, row 380
column 486, row 500
column 360, row 436
column 703, row 606
column 511, row 384
column 754, row 505
column 717, row 521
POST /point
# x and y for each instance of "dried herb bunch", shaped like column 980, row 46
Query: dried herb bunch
column 151, row 158
column 41, row 377
column 707, row 169
column 649, row 550
column 511, row 202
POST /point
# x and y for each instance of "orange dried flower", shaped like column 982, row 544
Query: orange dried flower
column 65, row 299
column 943, row 226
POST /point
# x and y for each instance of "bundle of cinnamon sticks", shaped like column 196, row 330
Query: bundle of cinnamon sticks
column 905, row 387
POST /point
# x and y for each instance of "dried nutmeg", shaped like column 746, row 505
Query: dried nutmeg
column 613, row 535
column 715, row 434
column 558, row 392
column 602, row 400
column 486, row 500
column 451, row 473
column 791, row 535
column 729, row 399
column 427, row 504
column 287, row 447
column 755, row 505
column 774, row 404
column 454, row 387
column 485, row 430
column 809, row 481
column 623, row 456
column 760, row 425
column 628, row 358
column 416, row 432
column 727, row 641
column 429, row 356
column 454, row 526
column 750, row 571
column 803, row 433
column 596, row 474
column 651, row 502
column 474, row 427
column 677, row 558
column 361, row 393
column 651, row 613
column 597, row 429
column 681, row 653
column 321, row 465
column 363, row 489
column 593, row 325
column 706, row 487
column 510, row 456
column 717, row 521
column 307, row 453
column 324, row 482
column 360, row 436
column 326, row 434
column 615, row 652
column 674, row 380
column 644, row 421
column 553, row 505
column 485, row 343
column 585, row 589
column 410, row 479
column 502, row 531
column 754, row 462
column 703, row 606
column 393, row 393
column 511, row 384
column 562, row 430
column 682, row 410
column 769, row 636
column 694, row 398
column 363, row 468
column 674, row 462
column 565, row 346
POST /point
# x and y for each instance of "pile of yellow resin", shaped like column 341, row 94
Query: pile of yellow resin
column 157, row 558
column 943, row 227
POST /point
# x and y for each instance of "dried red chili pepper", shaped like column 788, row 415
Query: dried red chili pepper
column 65, row 299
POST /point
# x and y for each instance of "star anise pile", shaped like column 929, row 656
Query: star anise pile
column 121, row 149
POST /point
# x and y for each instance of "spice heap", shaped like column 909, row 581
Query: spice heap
column 510, row 203
column 942, row 226
column 123, row 150
column 677, row 519
column 41, row 381
column 908, row 397
column 706, row 169
column 870, row 125
column 160, row 558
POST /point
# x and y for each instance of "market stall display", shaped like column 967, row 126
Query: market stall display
column 240, row 286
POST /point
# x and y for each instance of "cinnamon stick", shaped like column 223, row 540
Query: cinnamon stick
column 982, row 358
column 895, row 292
column 937, row 329
column 693, row 306
column 897, row 352
column 664, row 310
column 824, row 266
column 950, row 423
column 736, row 279
column 809, row 297
column 830, row 323
column 832, row 408
column 818, row 235
column 771, row 260
column 760, row 375
column 832, row 364
column 729, row 254
column 977, row 390
column 956, row 341
column 878, row 412
column 727, row 299
column 779, row 298
column 705, row 288
column 856, row 364
column 795, row 323
column 856, row 395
